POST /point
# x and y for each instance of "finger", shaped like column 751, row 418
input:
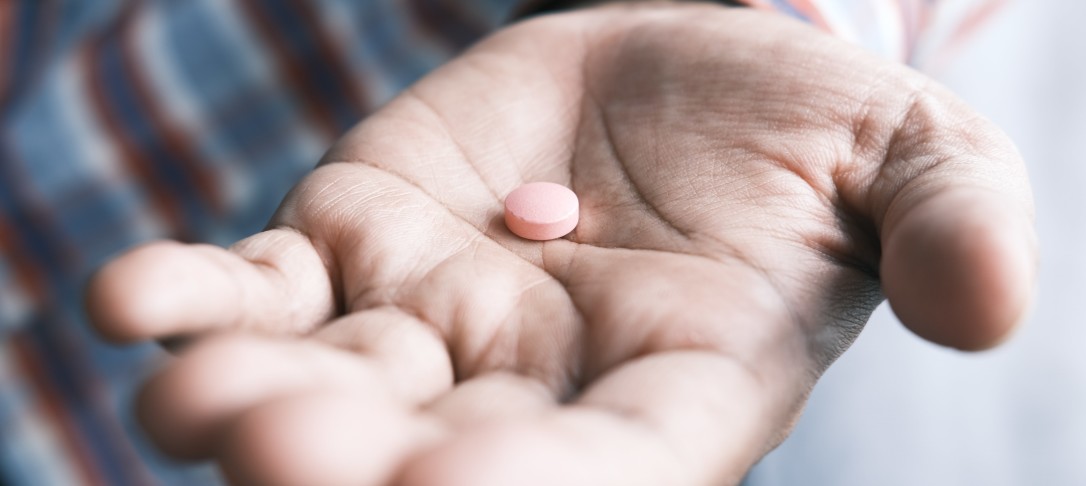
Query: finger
column 339, row 437
column 186, row 408
column 274, row 281
column 492, row 398
column 676, row 418
column 959, row 253
column 417, row 363
column 410, row 353
column 324, row 438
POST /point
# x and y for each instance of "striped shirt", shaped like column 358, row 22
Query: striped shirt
column 124, row 121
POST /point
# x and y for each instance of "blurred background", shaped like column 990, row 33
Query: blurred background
column 897, row 411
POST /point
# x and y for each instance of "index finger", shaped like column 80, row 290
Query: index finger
column 275, row 281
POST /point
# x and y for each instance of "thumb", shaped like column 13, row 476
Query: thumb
column 959, row 253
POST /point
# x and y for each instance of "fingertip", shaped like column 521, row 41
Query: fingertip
column 186, row 408
column 153, row 409
column 322, row 438
column 273, row 281
column 182, row 407
column 959, row 269
column 129, row 297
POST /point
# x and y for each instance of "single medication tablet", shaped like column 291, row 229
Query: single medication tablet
column 541, row 211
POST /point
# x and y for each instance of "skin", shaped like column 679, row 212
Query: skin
column 750, row 189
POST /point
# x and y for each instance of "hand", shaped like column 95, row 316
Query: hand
column 747, row 184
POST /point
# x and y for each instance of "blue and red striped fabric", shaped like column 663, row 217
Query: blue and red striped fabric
column 123, row 121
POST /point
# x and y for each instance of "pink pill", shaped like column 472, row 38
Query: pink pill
column 541, row 211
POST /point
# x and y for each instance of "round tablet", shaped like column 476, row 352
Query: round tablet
column 541, row 211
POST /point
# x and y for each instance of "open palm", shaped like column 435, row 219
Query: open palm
column 749, row 188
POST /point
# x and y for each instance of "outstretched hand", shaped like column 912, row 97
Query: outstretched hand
column 749, row 189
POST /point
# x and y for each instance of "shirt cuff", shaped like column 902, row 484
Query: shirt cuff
column 917, row 32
